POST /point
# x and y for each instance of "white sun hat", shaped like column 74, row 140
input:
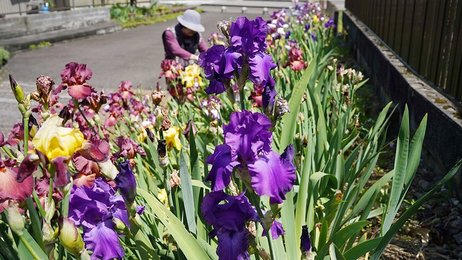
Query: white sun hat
column 191, row 20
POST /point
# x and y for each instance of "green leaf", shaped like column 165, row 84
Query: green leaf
column 187, row 243
column 366, row 198
column 362, row 248
column 302, row 196
column 290, row 119
column 36, row 223
column 401, row 159
column 208, row 249
column 6, row 244
column 290, row 122
column 342, row 236
column 415, row 151
column 335, row 253
column 144, row 246
column 29, row 249
column 412, row 210
column 188, row 197
column 199, row 184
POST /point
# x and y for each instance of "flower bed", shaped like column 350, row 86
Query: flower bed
column 257, row 151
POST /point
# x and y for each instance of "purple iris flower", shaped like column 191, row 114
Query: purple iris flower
column 126, row 182
column 215, row 87
column 228, row 215
column 314, row 37
column 219, row 66
column 329, row 24
column 261, row 65
column 225, row 211
column 248, row 144
column 140, row 210
column 233, row 245
column 94, row 209
column 248, row 134
column 103, row 241
column 273, row 175
column 223, row 163
column 305, row 242
column 276, row 230
column 248, row 36
column 268, row 96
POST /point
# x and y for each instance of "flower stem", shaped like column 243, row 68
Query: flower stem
column 241, row 97
column 256, row 202
column 8, row 152
column 76, row 104
column 26, row 131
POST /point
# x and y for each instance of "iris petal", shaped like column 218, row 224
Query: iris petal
column 273, row 175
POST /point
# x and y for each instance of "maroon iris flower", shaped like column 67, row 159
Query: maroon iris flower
column 74, row 78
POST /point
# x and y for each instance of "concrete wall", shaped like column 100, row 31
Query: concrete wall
column 17, row 6
column 38, row 23
column 394, row 81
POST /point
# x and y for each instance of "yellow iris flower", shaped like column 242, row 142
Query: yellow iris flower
column 315, row 19
column 172, row 137
column 191, row 76
column 54, row 141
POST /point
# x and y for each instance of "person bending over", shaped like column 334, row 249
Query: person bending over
column 183, row 42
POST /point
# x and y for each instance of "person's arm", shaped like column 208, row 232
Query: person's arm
column 172, row 45
column 202, row 46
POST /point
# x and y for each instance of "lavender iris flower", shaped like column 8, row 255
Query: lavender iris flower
column 94, row 209
column 228, row 215
column 126, row 182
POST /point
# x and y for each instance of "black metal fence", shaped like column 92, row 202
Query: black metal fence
column 426, row 34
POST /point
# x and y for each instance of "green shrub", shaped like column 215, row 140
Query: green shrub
column 4, row 56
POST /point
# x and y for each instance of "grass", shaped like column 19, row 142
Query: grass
column 41, row 44
column 149, row 20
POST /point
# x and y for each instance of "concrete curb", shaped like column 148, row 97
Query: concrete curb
column 395, row 81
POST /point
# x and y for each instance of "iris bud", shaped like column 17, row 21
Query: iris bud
column 70, row 237
column 17, row 90
column 108, row 169
column 15, row 219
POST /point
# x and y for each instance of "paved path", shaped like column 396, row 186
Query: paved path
column 133, row 55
